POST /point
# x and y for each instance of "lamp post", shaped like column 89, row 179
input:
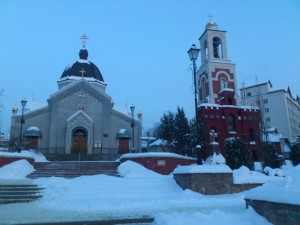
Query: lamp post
column 139, row 115
column 132, row 125
column 193, row 54
column 23, row 103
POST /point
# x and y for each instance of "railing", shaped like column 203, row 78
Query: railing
column 95, row 151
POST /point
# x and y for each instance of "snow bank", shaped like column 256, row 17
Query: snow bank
column 247, row 217
column 245, row 176
column 36, row 155
column 16, row 170
column 130, row 169
column 284, row 190
column 205, row 168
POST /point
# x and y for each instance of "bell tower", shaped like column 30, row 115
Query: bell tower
column 216, row 76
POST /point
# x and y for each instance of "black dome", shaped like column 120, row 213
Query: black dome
column 83, row 68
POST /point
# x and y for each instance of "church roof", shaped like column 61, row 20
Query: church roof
column 83, row 68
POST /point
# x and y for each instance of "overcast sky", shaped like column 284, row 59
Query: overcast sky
column 141, row 48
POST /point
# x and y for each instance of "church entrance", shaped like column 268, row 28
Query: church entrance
column 123, row 146
column 79, row 141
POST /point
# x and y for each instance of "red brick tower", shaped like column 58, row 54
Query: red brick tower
column 217, row 92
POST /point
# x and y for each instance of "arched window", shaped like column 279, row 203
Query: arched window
column 217, row 48
column 206, row 49
column 231, row 123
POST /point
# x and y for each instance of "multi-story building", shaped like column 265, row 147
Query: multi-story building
column 279, row 109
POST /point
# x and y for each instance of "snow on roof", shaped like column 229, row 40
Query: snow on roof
column 205, row 168
column 92, row 79
column 226, row 89
column 153, row 154
column 158, row 142
column 122, row 131
column 33, row 128
column 272, row 137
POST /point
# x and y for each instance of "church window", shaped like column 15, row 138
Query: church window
column 265, row 101
column 229, row 101
column 268, row 119
column 251, row 135
column 223, row 83
column 231, row 121
column 217, row 48
column 203, row 92
column 249, row 94
column 266, row 109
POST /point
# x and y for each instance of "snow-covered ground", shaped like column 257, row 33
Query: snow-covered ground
column 139, row 192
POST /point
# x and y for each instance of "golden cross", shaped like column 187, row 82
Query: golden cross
column 84, row 39
column 82, row 71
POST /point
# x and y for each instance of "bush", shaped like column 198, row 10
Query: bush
column 238, row 154
column 269, row 155
column 295, row 154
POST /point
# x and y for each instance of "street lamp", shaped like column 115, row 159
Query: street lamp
column 193, row 54
column 23, row 103
column 139, row 115
column 132, row 125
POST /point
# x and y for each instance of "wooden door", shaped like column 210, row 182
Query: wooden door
column 79, row 141
column 123, row 146
column 32, row 143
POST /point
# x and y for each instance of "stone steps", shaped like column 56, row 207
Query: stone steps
column 69, row 169
column 10, row 193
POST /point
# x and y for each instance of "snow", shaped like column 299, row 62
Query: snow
column 215, row 159
column 36, row 155
column 153, row 154
column 245, row 176
column 205, row 168
column 139, row 192
column 33, row 128
column 285, row 190
column 16, row 170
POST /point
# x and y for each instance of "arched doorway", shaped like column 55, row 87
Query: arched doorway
column 79, row 141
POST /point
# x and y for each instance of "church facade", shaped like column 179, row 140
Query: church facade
column 219, row 106
column 79, row 117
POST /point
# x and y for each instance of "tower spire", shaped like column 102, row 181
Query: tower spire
column 84, row 39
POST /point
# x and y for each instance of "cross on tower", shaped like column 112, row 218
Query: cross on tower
column 84, row 39
column 82, row 71
column 210, row 17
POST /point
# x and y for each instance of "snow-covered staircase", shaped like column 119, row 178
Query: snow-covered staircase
column 71, row 169
column 18, row 193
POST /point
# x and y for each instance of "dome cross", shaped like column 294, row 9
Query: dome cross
column 84, row 39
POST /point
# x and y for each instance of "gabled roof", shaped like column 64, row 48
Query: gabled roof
column 80, row 84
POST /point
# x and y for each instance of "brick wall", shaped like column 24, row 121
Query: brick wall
column 211, row 183
column 4, row 160
column 161, row 165
column 276, row 213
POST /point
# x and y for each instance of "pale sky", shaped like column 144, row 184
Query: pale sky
column 141, row 48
